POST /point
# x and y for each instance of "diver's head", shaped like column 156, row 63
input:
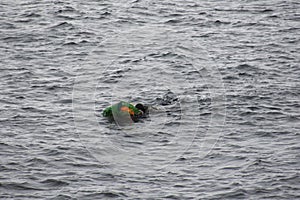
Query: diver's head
column 142, row 107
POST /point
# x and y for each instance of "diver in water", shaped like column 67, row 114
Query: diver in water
column 124, row 111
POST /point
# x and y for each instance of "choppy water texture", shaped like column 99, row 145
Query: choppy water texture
column 233, row 70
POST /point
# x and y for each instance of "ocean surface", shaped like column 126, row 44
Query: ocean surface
column 223, row 77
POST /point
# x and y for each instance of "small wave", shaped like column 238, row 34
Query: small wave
column 246, row 67
column 53, row 183
column 31, row 15
column 219, row 22
column 104, row 194
column 63, row 25
column 6, row 25
column 62, row 197
column 17, row 186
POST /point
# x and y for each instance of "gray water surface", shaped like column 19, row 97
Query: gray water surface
column 231, row 133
